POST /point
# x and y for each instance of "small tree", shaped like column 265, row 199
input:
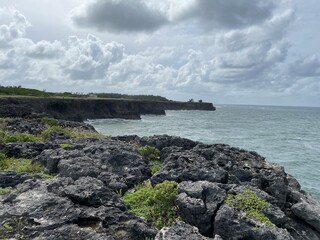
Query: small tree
column 200, row 101
column 191, row 100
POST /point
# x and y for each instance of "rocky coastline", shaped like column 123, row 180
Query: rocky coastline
column 80, row 109
column 73, row 184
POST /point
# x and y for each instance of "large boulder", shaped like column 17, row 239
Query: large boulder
column 116, row 164
column 198, row 203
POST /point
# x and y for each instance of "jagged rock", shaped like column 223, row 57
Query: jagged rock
column 198, row 202
column 124, row 225
column 70, row 232
column 181, row 231
column 162, row 141
column 309, row 210
column 91, row 192
column 44, row 209
column 23, row 125
column 80, row 203
column 26, row 149
column 232, row 224
column 12, row 179
column 118, row 165
column 189, row 166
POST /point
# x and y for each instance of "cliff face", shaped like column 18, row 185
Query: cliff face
column 80, row 109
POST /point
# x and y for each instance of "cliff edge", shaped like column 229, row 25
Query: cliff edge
column 77, row 109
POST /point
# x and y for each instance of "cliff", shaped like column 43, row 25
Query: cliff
column 80, row 109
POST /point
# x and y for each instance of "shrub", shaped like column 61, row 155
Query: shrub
column 155, row 204
column 149, row 152
column 251, row 204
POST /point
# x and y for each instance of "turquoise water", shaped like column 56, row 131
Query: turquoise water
column 289, row 136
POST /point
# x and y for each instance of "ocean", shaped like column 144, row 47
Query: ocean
column 289, row 136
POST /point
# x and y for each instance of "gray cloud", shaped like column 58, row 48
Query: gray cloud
column 228, row 14
column 306, row 67
column 118, row 16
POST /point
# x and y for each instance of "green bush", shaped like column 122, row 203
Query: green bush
column 155, row 204
column 149, row 152
column 20, row 137
column 251, row 204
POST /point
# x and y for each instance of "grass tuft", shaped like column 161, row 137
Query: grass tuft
column 155, row 204
column 153, row 154
column 251, row 204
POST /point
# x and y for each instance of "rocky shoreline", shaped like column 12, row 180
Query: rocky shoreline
column 76, row 182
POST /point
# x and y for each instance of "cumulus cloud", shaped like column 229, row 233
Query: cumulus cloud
column 15, row 29
column 118, row 16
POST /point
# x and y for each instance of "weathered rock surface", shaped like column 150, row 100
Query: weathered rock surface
column 80, row 202
column 180, row 231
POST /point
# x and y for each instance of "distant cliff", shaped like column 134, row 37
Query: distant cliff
column 80, row 109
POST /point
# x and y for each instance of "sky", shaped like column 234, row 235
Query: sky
column 261, row 52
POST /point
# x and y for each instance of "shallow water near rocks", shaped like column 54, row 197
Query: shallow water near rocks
column 289, row 136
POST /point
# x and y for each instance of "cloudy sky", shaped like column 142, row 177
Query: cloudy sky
column 222, row 51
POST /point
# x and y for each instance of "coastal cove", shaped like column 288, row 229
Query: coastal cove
column 288, row 136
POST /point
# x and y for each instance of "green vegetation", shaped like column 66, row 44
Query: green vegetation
column 153, row 154
column 58, row 129
column 251, row 204
column 65, row 145
column 5, row 191
column 19, row 137
column 19, row 165
column 49, row 121
column 155, row 204
column 155, row 166
column 149, row 152
column 7, row 226
column 20, row 91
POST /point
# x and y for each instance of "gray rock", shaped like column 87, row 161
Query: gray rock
column 181, row 231
column 12, row 179
column 189, row 166
column 117, row 164
column 232, row 224
column 198, row 202
column 70, row 232
column 309, row 210
column 26, row 149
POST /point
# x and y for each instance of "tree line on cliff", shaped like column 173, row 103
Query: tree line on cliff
column 20, row 91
